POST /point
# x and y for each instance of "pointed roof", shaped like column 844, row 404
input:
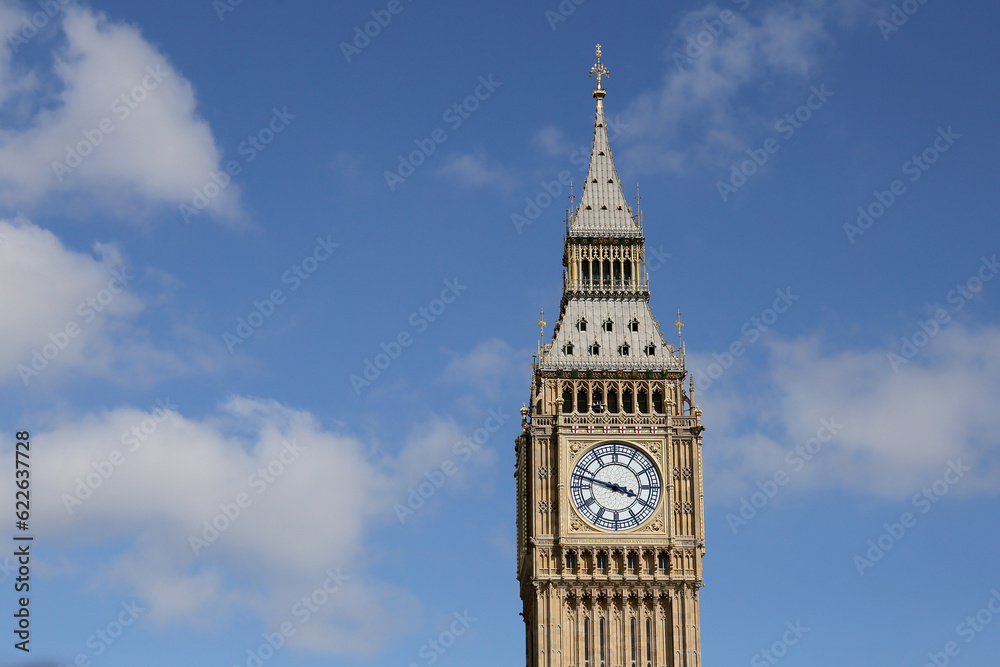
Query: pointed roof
column 603, row 209
column 609, row 335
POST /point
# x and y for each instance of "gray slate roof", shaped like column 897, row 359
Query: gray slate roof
column 603, row 209
column 609, row 357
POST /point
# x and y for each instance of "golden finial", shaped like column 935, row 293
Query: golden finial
column 599, row 68
column 679, row 324
column 541, row 322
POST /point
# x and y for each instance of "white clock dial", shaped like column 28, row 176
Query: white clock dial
column 615, row 486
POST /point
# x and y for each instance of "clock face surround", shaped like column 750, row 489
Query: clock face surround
column 615, row 486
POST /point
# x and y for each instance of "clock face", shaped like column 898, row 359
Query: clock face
column 615, row 486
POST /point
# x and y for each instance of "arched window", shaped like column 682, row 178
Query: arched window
column 582, row 404
column 657, row 401
column 586, row 641
column 567, row 397
column 612, row 400
column 643, row 401
column 607, row 272
column 627, row 402
column 649, row 642
column 634, row 652
column 602, row 644
column 597, row 401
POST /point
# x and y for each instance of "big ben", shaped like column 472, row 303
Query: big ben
column 610, row 504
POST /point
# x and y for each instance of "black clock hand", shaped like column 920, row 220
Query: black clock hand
column 613, row 487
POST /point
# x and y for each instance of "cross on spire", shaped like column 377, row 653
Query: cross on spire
column 679, row 324
column 599, row 69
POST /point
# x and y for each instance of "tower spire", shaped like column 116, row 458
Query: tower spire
column 603, row 209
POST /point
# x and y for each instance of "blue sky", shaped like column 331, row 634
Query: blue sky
column 200, row 248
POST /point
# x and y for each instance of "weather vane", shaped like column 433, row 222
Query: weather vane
column 599, row 68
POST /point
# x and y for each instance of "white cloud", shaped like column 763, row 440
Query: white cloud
column 346, row 165
column 553, row 141
column 490, row 368
column 70, row 311
column 315, row 514
column 46, row 287
column 705, row 89
column 118, row 100
column 475, row 170
column 900, row 429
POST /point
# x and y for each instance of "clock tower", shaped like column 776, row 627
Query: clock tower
column 610, row 507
